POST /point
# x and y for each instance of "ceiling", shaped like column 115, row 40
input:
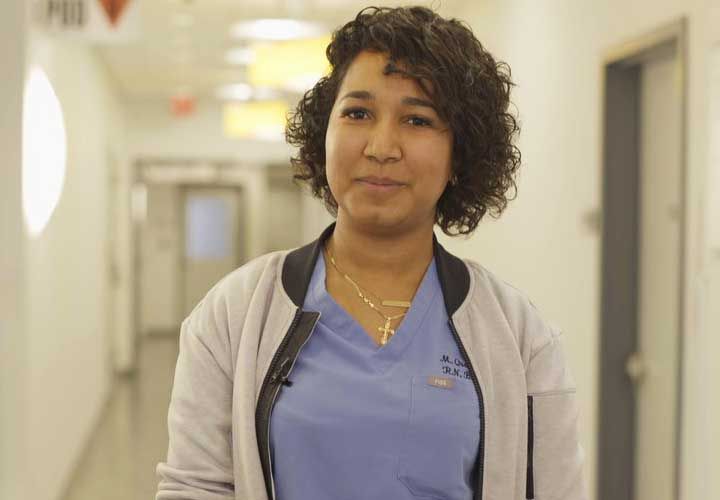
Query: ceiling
column 182, row 45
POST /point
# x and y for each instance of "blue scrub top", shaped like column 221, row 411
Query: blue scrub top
column 360, row 421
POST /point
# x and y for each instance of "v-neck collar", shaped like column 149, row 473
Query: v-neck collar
column 297, row 269
column 340, row 322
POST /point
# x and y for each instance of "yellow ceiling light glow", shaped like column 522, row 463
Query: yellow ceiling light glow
column 293, row 65
column 255, row 120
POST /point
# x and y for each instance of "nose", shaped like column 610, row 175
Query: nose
column 383, row 144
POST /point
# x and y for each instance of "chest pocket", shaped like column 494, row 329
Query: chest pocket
column 440, row 447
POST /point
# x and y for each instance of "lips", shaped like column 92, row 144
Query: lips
column 380, row 181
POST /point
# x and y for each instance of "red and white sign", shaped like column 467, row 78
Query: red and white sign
column 114, row 9
column 105, row 21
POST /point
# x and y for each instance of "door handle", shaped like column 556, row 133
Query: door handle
column 635, row 368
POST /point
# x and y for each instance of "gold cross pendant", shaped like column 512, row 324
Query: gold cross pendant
column 385, row 331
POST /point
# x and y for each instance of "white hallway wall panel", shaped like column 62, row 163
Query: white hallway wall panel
column 541, row 244
column 67, row 305
column 160, row 250
column 709, row 290
column 12, row 266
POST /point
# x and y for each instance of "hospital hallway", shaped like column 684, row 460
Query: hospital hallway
column 131, row 436
column 151, row 148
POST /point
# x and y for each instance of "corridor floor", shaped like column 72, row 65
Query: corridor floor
column 119, row 463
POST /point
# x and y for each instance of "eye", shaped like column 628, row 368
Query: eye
column 419, row 121
column 355, row 113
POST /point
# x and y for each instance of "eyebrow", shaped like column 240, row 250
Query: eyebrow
column 407, row 101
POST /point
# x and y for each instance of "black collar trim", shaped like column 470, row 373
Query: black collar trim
column 299, row 264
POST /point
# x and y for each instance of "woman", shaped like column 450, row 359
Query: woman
column 373, row 364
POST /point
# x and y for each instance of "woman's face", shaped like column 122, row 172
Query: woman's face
column 388, row 153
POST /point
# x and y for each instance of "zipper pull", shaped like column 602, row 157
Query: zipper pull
column 282, row 374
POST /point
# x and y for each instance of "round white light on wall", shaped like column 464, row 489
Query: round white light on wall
column 44, row 151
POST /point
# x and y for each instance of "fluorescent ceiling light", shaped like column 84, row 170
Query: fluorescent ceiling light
column 255, row 120
column 269, row 133
column 235, row 92
column 276, row 29
column 294, row 65
column 302, row 83
column 241, row 56
column 245, row 92
column 265, row 93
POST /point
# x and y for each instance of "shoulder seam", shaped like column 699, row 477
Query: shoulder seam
column 554, row 337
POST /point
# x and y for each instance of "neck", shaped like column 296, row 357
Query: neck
column 391, row 263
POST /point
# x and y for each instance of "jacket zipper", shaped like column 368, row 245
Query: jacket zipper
column 272, row 403
column 271, row 370
column 481, row 400
column 277, row 374
column 530, row 485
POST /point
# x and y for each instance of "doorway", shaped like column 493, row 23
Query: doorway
column 642, row 267
column 212, row 247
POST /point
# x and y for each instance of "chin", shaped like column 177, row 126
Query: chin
column 381, row 221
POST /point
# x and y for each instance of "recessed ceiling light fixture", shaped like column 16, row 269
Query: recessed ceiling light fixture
column 266, row 93
column 242, row 56
column 246, row 92
column 276, row 29
column 293, row 65
column 255, row 120
column 235, row 92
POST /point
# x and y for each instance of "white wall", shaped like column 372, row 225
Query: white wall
column 12, row 266
column 161, row 250
column 316, row 217
column 540, row 245
column 67, row 277
column 284, row 212
column 703, row 421
column 121, row 316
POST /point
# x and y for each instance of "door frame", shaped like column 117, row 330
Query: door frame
column 225, row 171
column 621, row 118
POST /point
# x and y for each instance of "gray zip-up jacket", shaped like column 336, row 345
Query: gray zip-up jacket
column 239, row 345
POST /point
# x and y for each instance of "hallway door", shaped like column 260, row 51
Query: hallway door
column 643, row 232
column 659, row 278
column 213, row 231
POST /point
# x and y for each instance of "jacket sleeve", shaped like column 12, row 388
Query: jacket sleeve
column 199, row 462
column 555, row 458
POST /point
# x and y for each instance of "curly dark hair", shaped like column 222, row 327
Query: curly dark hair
column 473, row 97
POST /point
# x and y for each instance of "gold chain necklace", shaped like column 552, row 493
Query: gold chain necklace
column 387, row 332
